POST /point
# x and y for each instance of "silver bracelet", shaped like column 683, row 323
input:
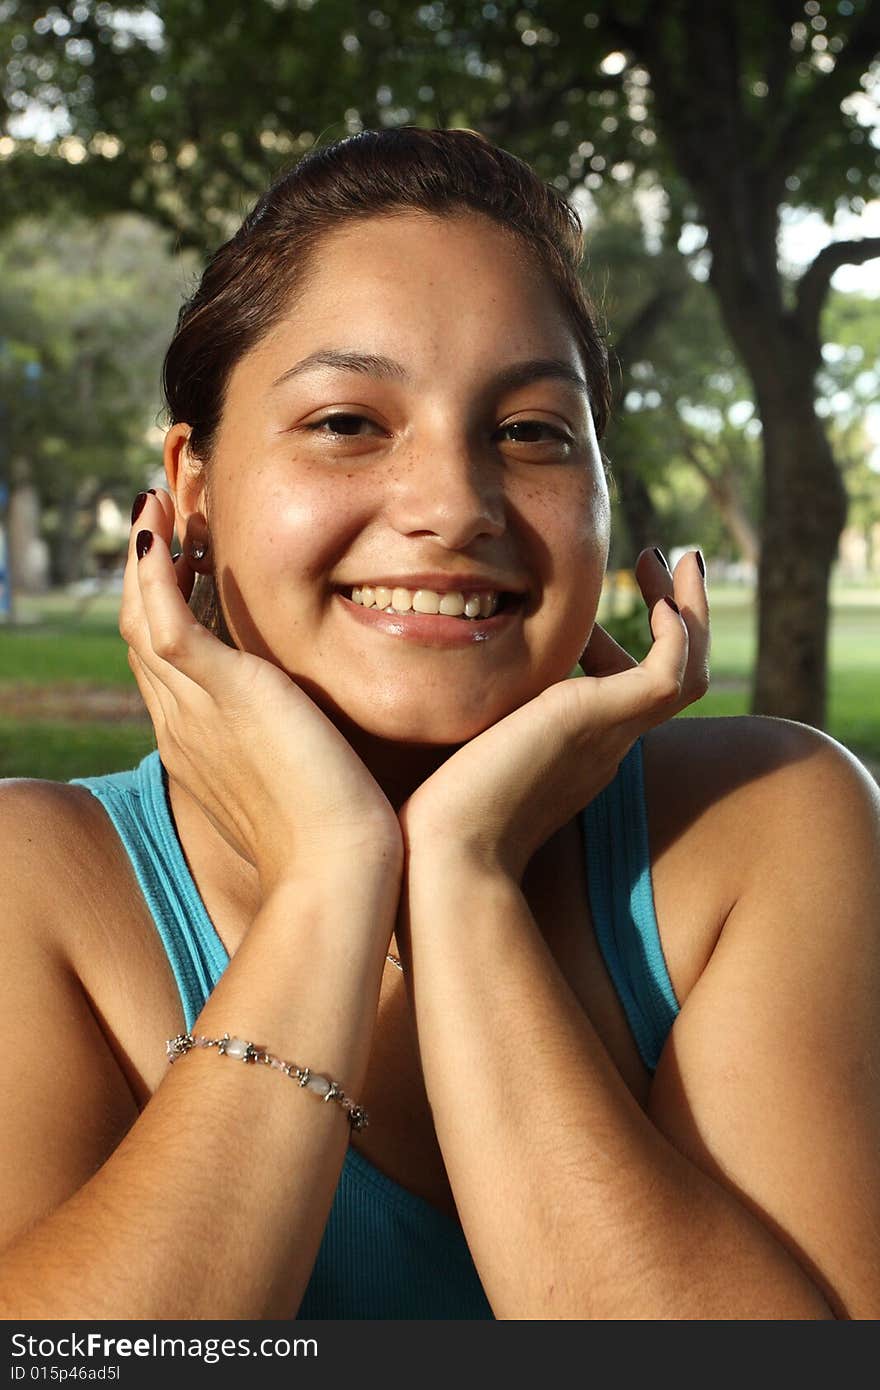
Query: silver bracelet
column 243, row 1051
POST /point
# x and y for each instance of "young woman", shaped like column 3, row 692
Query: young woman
column 604, row 982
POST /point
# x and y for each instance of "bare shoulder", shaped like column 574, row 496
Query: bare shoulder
column 774, row 769
column 66, row 1102
column 768, row 1078
column 53, row 838
column 733, row 802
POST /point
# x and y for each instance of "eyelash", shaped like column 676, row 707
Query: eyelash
column 317, row 425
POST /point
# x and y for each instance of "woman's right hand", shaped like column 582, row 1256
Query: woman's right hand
column 273, row 774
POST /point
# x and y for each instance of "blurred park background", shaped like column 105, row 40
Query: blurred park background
column 725, row 163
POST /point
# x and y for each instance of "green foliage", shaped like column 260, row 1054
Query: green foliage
column 87, row 310
column 186, row 108
column 631, row 630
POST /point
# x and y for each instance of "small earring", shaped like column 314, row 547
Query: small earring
column 198, row 551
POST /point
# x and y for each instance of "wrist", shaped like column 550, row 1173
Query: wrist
column 434, row 861
column 375, row 867
column 346, row 915
column 455, row 866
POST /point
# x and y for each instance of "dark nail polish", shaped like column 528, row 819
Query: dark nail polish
column 663, row 560
column 672, row 604
column 138, row 506
column 143, row 543
column 152, row 490
column 702, row 563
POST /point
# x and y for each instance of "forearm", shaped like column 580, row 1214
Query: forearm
column 574, row 1204
column 214, row 1204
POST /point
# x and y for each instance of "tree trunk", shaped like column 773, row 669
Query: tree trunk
column 804, row 513
column 723, row 492
column 723, row 495
column 639, row 512
column 67, row 557
column 27, row 560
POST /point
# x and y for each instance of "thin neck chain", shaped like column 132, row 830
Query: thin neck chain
column 394, row 961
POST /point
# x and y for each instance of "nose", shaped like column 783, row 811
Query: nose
column 451, row 491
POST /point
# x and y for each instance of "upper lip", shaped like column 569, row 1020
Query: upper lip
column 442, row 583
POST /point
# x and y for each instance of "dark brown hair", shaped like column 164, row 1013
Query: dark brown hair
column 251, row 281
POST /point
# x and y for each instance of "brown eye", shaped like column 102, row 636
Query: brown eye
column 527, row 425
column 339, row 424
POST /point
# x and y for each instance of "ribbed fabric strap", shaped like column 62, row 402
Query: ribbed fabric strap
column 137, row 804
column 615, row 828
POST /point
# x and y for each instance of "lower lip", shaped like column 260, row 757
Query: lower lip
column 435, row 630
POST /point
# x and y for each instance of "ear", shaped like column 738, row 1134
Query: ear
column 186, row 484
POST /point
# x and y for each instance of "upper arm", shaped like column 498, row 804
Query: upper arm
column 770, row 1078
column 64, row 1101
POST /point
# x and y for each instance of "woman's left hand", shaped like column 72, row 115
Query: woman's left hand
column 505, row 792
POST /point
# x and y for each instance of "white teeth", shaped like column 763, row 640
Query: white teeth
column 452, row 605
column 401, row 599
column 425, row 601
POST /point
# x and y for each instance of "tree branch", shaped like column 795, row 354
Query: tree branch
column 634, row 339
column 797, row 131
column 812, row 287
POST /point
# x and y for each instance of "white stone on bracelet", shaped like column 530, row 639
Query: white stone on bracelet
column 244, row 1051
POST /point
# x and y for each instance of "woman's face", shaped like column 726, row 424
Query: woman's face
column 439, row 472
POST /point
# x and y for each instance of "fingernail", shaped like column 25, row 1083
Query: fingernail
column 143, row 543
column 672, row 604
column 662, row 558
column 138, row 506
column 702, row 563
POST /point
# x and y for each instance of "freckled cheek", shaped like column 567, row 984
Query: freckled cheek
column 575, row 526
column 295, row 533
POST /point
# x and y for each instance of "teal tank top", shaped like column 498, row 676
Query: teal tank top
column 386, row 1253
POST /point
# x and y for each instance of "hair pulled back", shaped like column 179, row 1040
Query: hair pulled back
column 251, row 281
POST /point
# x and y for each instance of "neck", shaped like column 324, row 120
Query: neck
column 398, row 768
column 229, row 884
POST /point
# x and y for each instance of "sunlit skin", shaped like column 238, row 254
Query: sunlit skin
column 427, row 480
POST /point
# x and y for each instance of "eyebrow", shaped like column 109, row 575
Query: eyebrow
column 372, row 364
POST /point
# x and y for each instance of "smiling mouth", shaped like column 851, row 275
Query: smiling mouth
column 465, row 607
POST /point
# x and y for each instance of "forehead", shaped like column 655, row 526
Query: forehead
column 463, row 249
column 435, row 289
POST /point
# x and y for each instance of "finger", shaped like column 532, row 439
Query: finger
column 186, row 576
column 651, row 691
column 151, row 509
column 149, row 690
column 687, row 586
column 653, row 575
column 177, row 649
column 602, row 656
column 154, row 510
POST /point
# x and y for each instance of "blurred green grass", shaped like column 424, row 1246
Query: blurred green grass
column 61, row 750
column 71, row 647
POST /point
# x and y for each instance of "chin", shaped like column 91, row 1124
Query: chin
column 431, row 719
column 437, row 730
